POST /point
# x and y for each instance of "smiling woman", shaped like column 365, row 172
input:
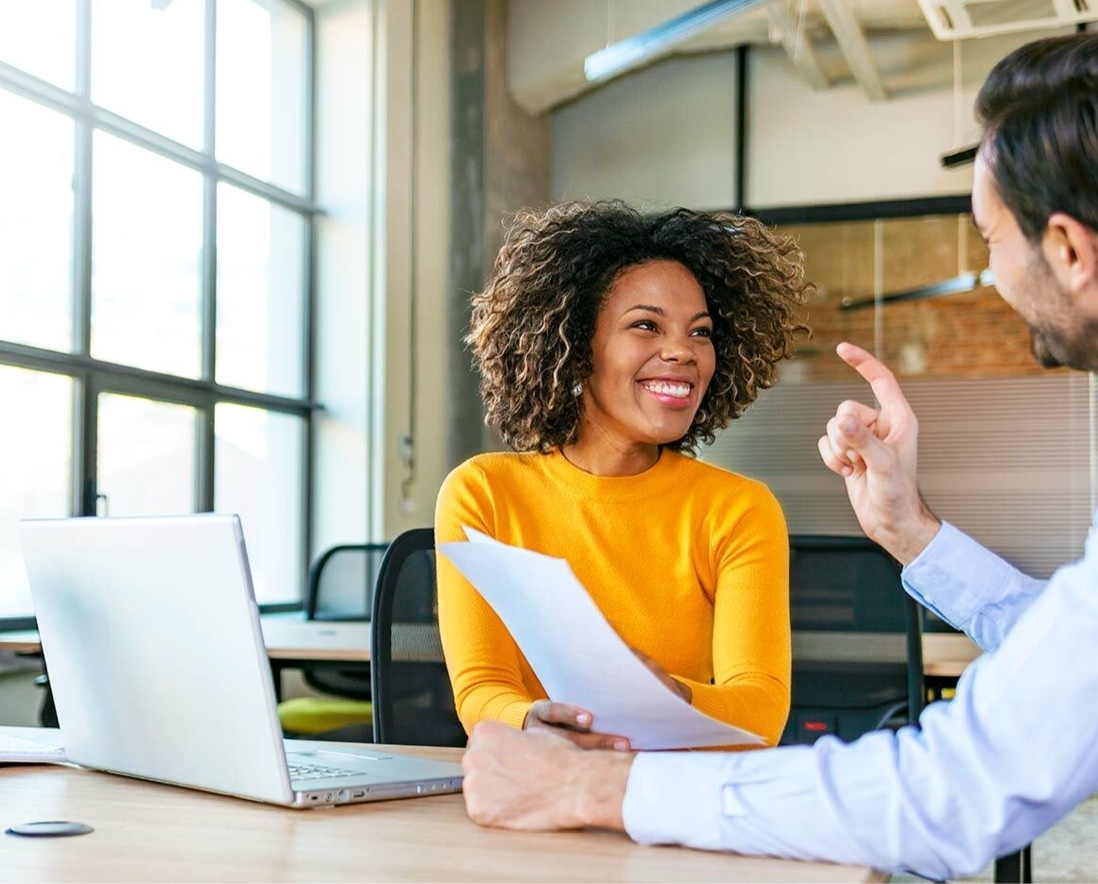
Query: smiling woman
column 610, row 344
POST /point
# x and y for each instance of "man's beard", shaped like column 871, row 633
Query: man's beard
column 1072, row 344
column 1045, row 349
column 1052, row 350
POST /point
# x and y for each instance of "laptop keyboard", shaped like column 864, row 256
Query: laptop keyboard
column 319, row 771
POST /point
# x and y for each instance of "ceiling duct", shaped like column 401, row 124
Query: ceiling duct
column 632, row 52
column 960, row 19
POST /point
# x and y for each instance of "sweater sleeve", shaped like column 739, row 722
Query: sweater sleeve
column 481, row 656
column 752, row 656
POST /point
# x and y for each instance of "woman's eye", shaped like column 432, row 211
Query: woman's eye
column 645, row 325
column 703, row 332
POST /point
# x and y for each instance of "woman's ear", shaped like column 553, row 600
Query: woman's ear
column 1071, row 249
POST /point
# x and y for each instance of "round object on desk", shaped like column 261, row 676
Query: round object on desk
column 50, row 829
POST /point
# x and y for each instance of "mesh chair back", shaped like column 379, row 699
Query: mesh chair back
column 342, row 581
column 857, row 640
column 341, row 587
column 413, row 700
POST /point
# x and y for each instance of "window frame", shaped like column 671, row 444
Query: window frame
column 93, row 376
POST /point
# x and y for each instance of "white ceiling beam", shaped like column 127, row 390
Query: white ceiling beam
column 851, row 39
column 797, row 46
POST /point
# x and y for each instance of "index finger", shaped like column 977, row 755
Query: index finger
column 881, row 380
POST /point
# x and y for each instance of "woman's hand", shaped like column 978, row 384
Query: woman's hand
column 572, row 723
column 672, row 684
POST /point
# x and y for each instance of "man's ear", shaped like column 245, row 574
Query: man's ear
column 1071, row 249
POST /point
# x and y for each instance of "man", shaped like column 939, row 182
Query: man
column 1017, row 747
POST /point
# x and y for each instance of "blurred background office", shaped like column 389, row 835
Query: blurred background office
column 239, row 236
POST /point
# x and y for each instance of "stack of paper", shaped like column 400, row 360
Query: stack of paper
column 576, row 654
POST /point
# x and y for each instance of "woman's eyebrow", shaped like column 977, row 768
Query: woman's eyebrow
column 704, row 314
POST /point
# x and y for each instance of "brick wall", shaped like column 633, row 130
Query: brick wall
column 967, row 335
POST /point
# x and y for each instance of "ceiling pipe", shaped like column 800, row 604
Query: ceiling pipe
column 632, row 52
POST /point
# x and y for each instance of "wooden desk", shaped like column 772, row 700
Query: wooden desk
column 149, row 832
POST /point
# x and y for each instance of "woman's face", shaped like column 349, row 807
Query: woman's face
column 653, row 358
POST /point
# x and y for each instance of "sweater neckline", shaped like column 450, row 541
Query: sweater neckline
column 653, row 481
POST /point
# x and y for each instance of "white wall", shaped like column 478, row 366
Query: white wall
column 837, row 146
column 346, row 325
column 377, row 252
column 548, row 41
column 666, row 134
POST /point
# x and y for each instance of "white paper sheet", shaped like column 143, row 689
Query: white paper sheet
column 31, row 745
column 576, row 654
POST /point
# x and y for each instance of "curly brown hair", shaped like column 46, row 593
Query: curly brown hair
column 532, row 326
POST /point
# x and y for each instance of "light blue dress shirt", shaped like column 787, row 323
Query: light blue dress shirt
column 1014, row 751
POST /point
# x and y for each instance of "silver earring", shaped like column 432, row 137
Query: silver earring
column 577, row 389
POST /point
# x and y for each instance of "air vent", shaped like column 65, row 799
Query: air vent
column 959, row 19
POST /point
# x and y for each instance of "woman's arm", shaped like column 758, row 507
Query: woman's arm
column 481, row 656
column 751, row 634
column 485, row 664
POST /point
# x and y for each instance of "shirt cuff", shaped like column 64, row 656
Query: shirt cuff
column 675, row 798
column 954, row 574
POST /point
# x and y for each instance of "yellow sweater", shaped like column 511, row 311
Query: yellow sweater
column 688, row 562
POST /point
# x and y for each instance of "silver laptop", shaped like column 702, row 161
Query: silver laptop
column 157, row 665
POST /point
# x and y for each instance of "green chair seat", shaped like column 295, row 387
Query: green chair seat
column 315, row 715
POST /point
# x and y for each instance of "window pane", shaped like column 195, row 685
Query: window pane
column 39, row 37
column 258, row 467
column 261, row 58
column 146, row 457
column 260, row 294
column 35, row 468
column 147, row 242
column 36, row 169
column 147, row 64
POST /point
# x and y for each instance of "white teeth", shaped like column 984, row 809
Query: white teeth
column 666, row 389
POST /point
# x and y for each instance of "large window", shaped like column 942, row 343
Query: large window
column 155, row 268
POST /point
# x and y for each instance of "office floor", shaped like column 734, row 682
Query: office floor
column 1068, row 852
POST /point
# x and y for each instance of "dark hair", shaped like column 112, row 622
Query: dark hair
column 1039, row 110
column 532, row 325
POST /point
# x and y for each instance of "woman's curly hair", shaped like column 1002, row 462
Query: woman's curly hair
column 532, row 326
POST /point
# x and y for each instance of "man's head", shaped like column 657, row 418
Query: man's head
column 1035, row 192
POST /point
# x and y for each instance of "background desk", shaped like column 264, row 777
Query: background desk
column 292, row 638
column 287, row 636
column 292, row 641
column 149, row 832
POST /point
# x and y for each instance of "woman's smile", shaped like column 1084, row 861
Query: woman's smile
column 672, row 393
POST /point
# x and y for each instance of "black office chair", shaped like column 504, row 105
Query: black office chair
column 413, row 700
column 341, row 587
column 857, row 640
